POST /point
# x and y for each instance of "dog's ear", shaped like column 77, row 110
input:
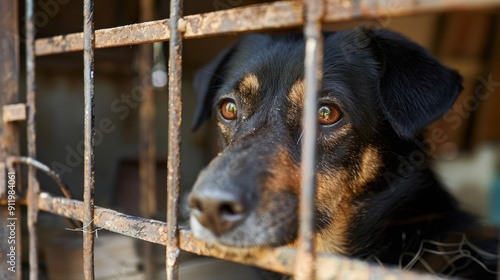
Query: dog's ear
column 206, row 82
column 415, row 88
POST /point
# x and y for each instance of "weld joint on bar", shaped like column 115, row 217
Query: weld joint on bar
column 182, row 25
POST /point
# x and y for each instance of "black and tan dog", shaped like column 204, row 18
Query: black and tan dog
column 379, row 92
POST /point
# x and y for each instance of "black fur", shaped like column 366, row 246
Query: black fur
column 388, row 89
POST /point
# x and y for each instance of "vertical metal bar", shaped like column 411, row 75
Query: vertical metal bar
column 33, row 187
column 147, row 138
column 9, row 132
column 89, row 133
column 305, row 266
column 174, row 137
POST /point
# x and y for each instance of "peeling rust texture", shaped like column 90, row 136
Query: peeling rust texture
column 280, row 14
column 279, row 259
column 144, row 229
column 89, row 140
column 174, row 139
column 305, row 259
column 345, row 10
column 33, row 185
column 139, row 33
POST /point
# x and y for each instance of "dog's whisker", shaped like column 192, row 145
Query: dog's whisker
column 300, row 137
column 377, row 260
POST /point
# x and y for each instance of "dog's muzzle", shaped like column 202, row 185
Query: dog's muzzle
column 225, row 194
column 217, row 210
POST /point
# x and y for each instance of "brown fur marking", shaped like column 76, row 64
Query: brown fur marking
column 370, row 166
column 249, row 84
column 297, row 93
column 285, row 173
column 332, row 197
column 335, row 193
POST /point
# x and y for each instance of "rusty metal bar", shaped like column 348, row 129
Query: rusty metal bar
column 89, row 141
column 280, row 14
column 147, row 138
column 146, row 32
column 252, row 18
column 33, row 186
column 9, row 131
column 40, row 166
column 280, row 259
column 176, row 25
column 313, row 64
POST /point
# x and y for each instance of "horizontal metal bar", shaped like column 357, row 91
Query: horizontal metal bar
column 281, row 14
column 280, row 259
column 256, row 17
column 382, row 9
column 20, row 201
column 14, row 112
column 147, row 32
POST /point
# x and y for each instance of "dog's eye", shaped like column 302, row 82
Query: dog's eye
column 228, row 110
column 328, row 114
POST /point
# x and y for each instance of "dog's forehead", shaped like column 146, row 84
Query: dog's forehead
column 272, row 64
column 276, row 63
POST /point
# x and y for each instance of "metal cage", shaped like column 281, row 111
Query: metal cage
column 301, row 262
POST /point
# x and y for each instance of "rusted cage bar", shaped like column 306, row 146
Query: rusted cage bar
column 176, row 25
column 147, row 138
column 89, row 142
column 280, row 14
column 280, row 259
column 313, row 62
column 33, row 187
column 42, row 167
column 9, row 131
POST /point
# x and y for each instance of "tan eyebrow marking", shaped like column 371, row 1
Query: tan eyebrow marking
column 249, row 84
column 370, row 165
column 297, row 92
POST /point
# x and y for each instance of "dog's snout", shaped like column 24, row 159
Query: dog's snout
column 218, row 211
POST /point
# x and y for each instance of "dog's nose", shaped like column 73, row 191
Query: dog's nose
column 218, row 211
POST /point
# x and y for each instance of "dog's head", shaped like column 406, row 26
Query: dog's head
column 379, row 91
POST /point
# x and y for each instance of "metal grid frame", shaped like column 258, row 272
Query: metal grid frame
column 302, row 262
